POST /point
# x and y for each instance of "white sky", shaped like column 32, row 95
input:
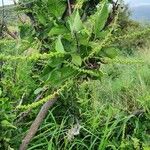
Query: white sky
column 136, row 3
column 6, row 2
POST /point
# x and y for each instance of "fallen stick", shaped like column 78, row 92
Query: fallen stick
column 36, row 123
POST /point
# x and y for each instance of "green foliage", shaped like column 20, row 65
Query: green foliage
column 75, row 22
column 101, row 17
column 103, row 98
column 7, row 126
column 59, row 46
column 104, row 112
column 65, row 34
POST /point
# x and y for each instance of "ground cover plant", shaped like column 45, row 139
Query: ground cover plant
column 76, row 58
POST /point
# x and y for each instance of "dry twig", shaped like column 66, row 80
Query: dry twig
column 36, row 123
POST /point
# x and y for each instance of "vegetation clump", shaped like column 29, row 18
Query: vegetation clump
column 79, row 58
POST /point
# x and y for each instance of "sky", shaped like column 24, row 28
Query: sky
column 6, row 2
column 137, row 3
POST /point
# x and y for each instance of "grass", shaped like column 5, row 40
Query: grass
column 109, row 114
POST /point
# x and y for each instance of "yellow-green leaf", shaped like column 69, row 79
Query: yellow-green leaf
column 7, row 124
column 75, row 22
column 59, row 46
column 101, row 17
column 76, row 59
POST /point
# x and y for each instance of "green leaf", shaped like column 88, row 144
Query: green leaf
column 102, row 34
column 55, row 62
column 67, row 72
column 38, row 90
column 76, row 59
column 59, row 75
column 50, row 146
column 45, row 73
column 110, row 52
column 7, row 124
column 75, row 22
column 25, row 31
column 101, row 17
column 55, row 77
column 60, row 30
column 56, row 7
column 9, row 148
column 59, row 46
column 41, row 19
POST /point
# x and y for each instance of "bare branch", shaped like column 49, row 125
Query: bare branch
column 36, row 123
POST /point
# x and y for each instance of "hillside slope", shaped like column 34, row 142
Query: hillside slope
column 9, row 14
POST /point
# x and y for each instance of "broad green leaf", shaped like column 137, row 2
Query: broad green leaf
column 45, row 73
column 67, row 72
column 83, row 38
column 56, row 7
column 41, row 19
column 60, row 30
column 101, row 17
column 59, row 75
column 110, row 52
column 55, row 62
column 88, row 27
column 55, row 77
column 75, row 22
column 102, row 34
column 59, row 46
column 76, row 59
column 52, row 64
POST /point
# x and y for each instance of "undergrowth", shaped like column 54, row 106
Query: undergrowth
column 97, row 70
column 109, row 114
